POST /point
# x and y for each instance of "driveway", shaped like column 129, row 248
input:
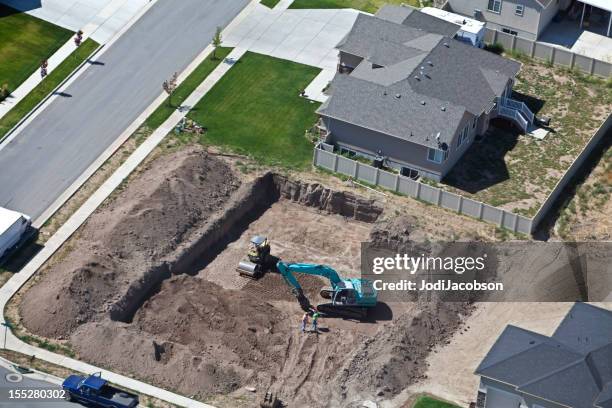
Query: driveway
column 51, row 152
column 305, row 36
column 568, row 35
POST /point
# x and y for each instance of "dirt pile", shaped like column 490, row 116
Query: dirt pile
column 334, row 202
column 385, row 364
column 126, row 240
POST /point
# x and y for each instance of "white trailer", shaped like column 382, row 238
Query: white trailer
column 14, row 228
column 471, row 31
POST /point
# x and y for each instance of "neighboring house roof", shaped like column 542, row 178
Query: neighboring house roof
column 439, row 80
column 573, row 367
column 414, row 18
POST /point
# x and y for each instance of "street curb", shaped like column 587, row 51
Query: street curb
column 6, row 139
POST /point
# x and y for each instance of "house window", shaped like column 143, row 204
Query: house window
column 347, row 152
column 494, row 6
column 520, row 10
column 436, row 155
column 509, row 31
column 463, row 136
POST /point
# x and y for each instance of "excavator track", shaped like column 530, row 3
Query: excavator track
column 347, row 312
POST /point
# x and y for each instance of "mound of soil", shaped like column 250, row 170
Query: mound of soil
column 119, row 243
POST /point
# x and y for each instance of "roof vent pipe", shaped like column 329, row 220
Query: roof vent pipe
column 398, row 96
column 423, row 103
column 446, row 45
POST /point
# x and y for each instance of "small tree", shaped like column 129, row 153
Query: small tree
column 169, row 86
column 216, row 42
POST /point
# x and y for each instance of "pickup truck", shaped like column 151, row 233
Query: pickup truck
column 94, row 391
column 15, row 229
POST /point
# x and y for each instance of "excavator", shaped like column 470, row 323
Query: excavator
column 351, row 298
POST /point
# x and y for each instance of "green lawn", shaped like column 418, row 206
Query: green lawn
column 255, row 110
column 371, row 6
column 269, row 3
column 46, row 86
column 24, row 42
column 428, row 402
column 185, row 89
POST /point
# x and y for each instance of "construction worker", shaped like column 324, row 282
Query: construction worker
column 315, row 322
column 304, row 322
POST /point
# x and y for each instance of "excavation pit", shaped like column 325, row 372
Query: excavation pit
column 148, row 287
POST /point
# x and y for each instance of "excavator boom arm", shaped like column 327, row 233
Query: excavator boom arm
column 288, row 269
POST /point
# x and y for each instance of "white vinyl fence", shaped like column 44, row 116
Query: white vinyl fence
column 326, row 159
column 605, row 130
column 545, row 52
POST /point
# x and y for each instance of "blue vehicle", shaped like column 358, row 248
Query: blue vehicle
column 95, row 391
column 350, row 298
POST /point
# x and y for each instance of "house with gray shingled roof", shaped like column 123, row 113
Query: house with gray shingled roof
column 410, row 94
column 572, row 368
column 526, row 18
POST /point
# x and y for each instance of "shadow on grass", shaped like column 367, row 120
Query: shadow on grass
column 533, row 103
column 483, row 165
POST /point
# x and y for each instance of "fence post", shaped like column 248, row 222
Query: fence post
column 418, row 192
column 494, row 36
column 552, row 55
column 513, row 42
column 439, row 197
column 355, row 169
column 460, row 204
column 377, row 176
column 532, row 49
column 397, row 180
column 501, row 217
column 572, row 60
column 592, row 67
column 480, row 210
column 335, row 163
column 515, row 226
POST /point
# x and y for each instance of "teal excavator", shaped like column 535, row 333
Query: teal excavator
column 350, row 298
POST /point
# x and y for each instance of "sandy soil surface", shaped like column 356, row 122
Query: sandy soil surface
column 128, row 292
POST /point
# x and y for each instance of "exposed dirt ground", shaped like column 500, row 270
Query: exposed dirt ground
column 148, row 287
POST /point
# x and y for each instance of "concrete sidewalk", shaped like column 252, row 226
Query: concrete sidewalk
column 78, row 218
column 304, row 36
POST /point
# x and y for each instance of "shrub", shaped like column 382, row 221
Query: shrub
column 4, row 92
column 495, row 48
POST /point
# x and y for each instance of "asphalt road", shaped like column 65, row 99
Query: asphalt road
column 50, row 153
column 13, row 382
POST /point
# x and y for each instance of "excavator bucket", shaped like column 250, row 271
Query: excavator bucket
column 249, row 269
